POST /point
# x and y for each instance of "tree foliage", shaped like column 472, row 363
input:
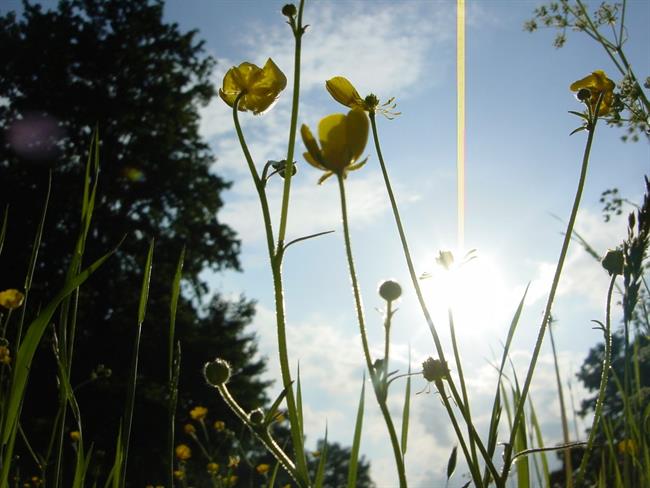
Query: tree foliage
column 117, row 65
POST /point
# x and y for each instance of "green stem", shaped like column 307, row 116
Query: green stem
column 389, row 316
column 507, row 456
column 603, row 385
column 264, row 437
column 420, row 297
column 298, row 31
column 276, row 268
column 381, row 400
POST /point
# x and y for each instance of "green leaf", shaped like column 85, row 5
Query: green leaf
column 320, row 472
column 451, row 464
column 406, row 411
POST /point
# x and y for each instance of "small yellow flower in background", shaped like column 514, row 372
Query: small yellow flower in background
column 5, row 355
column 628, row 446
column 219, row 425
column 260, row 86
column 316, row 454
column 342, row 141
column 232, row 481
column 198, row 413
column 75, row 435
column 595, row 84
column 11, row 299
column 344, row 92
column 189, row 429
column 183, row 452
column 36, row 481
column 179, row 474
column 262, row 468
column 213, row 468
column 288, row 485
column 233, row 461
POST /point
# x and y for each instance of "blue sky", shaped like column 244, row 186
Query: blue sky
column 521, row 167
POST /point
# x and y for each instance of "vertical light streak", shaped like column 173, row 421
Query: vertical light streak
column 460, row 121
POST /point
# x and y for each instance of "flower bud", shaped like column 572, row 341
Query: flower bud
column 256, row 416
column 217, row 372
column 289, row 10
column 583, row 95
column 390, row 290
column 613, row 262
column 434, row 370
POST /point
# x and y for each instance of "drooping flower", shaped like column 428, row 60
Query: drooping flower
column 260, row 87
column 198, row 413
column 183, row 452
column 590, row 87
column 345, row 93
column 342, row 141
column 11, row 298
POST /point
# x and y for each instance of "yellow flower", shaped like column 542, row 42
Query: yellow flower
column 628, row 446
column 342, row 141
column 213, row 468
column 179, row 474
column 5, row 355
column 219, row 425
column 233, row 461
column 75, row 435
column 11, row 298
column 232, row 481
column 198, row 413
column 260, row 86
column 595, row 84
column 344, row 92
column 262, row 468
column 189, row 429
column 183, row 452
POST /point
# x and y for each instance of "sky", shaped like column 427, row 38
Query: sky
column 522, row 169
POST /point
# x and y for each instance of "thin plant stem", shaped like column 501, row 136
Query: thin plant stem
column 275, row 258
column 551, row 297
column 298, row 31
column 603, row 384
column 381, row 399
column 420, row 297
column 387, row 323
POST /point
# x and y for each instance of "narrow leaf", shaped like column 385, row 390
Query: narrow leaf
column 356, row 443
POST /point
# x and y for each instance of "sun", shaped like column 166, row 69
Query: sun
column 472, row 286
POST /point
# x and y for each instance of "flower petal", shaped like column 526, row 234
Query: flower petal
column 357, row 133
column 332, row 132
column 343, row 92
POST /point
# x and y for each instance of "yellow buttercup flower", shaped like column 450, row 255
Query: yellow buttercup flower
column 342, row 141
column 189, row 429
column 75, row 435
column 213, row 468
column 259, row 87
column 198, row 413
column 219, row 425
column 179, row 474
column 5, row 355
column 628, row 446
column 262, row 468
column 183, row 452
column 344, row 92
column 233, row 461
column 595, row 84
column 11, row 298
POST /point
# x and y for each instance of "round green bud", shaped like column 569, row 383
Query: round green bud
column 289, row 10
column 217, row 372
column 390, row 290
column 256, row 416
column 613, row 262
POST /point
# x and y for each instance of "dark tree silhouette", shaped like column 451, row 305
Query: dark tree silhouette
column 117, row 65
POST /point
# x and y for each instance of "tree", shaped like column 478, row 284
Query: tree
column 117, row 65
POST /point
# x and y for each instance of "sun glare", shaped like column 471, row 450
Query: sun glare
column 473, row 288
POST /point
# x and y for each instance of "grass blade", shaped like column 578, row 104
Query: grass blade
column 356, row 443
column 406, row 411
column 320, row 472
